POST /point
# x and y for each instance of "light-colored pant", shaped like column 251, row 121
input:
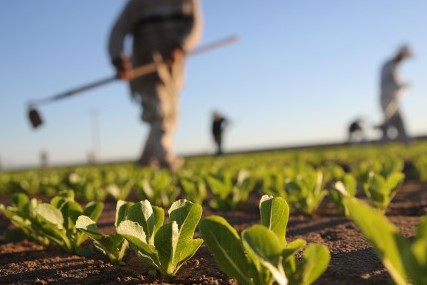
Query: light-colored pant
column 159, row 96
column 395, row 121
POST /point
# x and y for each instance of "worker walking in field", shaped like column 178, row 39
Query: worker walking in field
column 163, row 31
column 392, row 88
column 219, row 123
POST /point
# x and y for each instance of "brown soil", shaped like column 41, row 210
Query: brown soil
column 352, row 259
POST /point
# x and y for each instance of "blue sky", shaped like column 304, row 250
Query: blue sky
column 301, row 71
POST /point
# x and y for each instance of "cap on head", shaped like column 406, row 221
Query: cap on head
column 405, row 52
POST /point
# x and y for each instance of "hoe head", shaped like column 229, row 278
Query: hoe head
column 34, row 117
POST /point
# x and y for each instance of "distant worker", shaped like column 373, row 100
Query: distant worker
column 391, row 90
column 356, row 132
column 44, row 161
column 163, row 31
column 219, row 123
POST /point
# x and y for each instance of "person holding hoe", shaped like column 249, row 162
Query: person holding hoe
column 163, row 31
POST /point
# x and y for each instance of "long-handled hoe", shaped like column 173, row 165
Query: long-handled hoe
column 36, row 119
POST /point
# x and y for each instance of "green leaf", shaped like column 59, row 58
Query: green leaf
column 226, row 247
column 165, row 242
column 114, row 246
column 93, row 210
column 316, row 258
column 87, row 225
column 217, row 187
column 70, row 211
column 21, row 201
column 265, row 245
column 50, row 214
column 188, row 251
column 274, row 215
column 134, row 233
column 350, row 184
column 419, row 250
column 391, row 247
column 394, row 182
column 293, row 247
column 148, row 217
column 121, row 211
column 187, row 215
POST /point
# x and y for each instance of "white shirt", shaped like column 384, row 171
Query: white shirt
column 391, row 88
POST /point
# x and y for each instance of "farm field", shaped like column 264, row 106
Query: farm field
column 353, row 259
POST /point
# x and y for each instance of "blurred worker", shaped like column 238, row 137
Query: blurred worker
column 163, row 31
column 392, row 88
column 219, row 123
column 356, row 132
column 44, row 161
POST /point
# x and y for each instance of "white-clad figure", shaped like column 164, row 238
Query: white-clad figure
column 392, row 89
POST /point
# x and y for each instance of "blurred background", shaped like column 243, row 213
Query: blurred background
column 299, row 74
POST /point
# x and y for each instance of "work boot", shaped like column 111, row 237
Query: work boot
column 148, row 163
column 173, row 165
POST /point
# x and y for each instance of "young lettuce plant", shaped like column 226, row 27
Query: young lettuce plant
column 159, row 188
column 405, row 261
column 382, row 167
column 120, row 191
column 229, row 191
column 21, row 214
column 273, row 183
column 347, row 184
column 420, row 164
column 262, row 254
column 194, row 188
column 163, row 247
column 58, row 219
column 113, row 246
column 381, row 190
column 86, row 184
column 305, row 191
column 380, row 180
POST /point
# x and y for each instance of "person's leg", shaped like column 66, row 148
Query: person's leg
column 148, row 156
column 384, row 127
column 218, row 143
column 397, row 121
column 149, row 115
column 167, row 91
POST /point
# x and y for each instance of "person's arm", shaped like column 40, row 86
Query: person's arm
column 396, row 79
column 192, row 35
column 120, row 30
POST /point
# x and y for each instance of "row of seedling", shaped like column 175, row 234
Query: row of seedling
column 303, row 186
column 261, row 255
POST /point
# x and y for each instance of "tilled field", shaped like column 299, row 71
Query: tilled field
column 353, row 261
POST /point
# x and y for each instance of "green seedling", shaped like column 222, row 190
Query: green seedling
column 405, row 261
column 381, row 190
column 262, row 255
column 420, row 164
column 57, row 220
column 194, row 189
column 159, row 188
column 305, row 191
column 273, row 183
column 229, row 191
column 163, row 247
column 22, row 214
column 113, row 246
column 347, row 184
